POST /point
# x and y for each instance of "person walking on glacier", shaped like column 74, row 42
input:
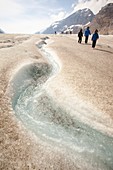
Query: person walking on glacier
column 95, row 37
column 87, row 33
column 80, row 35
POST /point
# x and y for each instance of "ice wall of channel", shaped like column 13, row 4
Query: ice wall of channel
column 40, row 113
column 30, row 75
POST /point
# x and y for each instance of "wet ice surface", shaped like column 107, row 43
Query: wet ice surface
column 52, row 123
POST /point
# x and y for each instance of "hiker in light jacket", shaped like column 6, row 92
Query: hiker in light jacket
column 95, row 37
column 87, row 33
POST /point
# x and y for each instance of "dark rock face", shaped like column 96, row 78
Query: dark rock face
column 72, row 23
column 103, row 21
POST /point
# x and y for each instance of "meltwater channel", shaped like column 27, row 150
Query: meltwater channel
column 52, row 123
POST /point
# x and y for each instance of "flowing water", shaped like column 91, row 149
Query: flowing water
column 52, row 123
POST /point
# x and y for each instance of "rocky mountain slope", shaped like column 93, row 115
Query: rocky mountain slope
column 103, row 21
column 72, row 22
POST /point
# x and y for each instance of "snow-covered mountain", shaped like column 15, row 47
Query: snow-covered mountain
column 71, row 23
column 103, row 21
column 93, row 5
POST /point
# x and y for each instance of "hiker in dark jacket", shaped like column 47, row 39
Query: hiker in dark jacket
column 87, row 33
column 80, row 35
column 94, row 38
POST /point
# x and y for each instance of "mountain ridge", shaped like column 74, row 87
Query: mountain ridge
column 103, row 21
column 1, row 31
column 80, row 17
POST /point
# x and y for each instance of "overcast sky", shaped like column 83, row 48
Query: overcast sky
column 30, row 16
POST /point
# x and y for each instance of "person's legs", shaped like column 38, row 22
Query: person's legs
column 80, row 39
column 94, row 44
column 86, row 39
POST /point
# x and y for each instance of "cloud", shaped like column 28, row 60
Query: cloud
column 59, row 16
column 10, row 9
column 94, row 5
column 28, row 16
column 26, row 25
